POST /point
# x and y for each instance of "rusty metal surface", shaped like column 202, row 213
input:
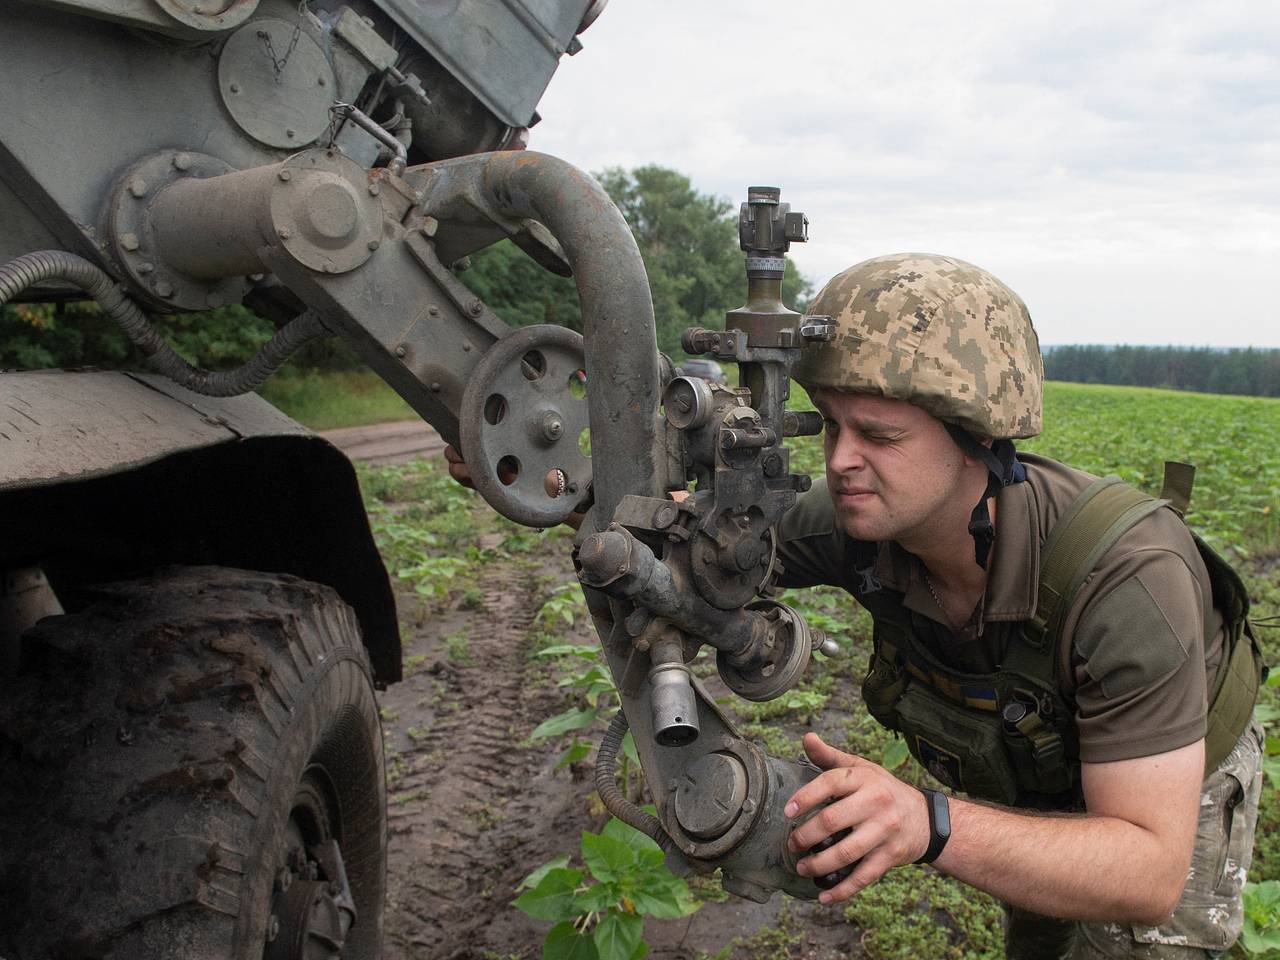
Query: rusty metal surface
column 57, row 426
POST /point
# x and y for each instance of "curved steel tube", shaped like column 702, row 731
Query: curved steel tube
column 617, row 313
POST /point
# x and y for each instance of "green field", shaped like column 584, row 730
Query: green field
column 1127, row 431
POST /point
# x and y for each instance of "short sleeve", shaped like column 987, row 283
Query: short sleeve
column 1138, row 656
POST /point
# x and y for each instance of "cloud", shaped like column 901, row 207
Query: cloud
column 1117, row 164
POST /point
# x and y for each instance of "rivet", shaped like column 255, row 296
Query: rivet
column 289, row 133
column 146, row 267
column 435, row 386
column 320, row 81
column 374, row 189
column 433, row 311
column 374, row 244
column 401, row 350
column 138, row 187
column 466, row 346
column 284, row 233
column 164, row 288
column 475, row 308
column 129, row 241
column 235, row 88
column 330, row 268
column 285, row 175
column 182, row 161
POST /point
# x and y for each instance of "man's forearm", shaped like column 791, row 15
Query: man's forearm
column 1069, row 865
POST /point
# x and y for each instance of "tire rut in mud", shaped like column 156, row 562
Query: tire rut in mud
column 472, row 812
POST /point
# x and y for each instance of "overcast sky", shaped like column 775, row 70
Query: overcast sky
column 1117, row 164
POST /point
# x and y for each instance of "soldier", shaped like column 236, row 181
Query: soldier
column 1096, row 710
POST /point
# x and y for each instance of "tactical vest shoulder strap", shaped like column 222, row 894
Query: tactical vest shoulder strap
column 1090, row 526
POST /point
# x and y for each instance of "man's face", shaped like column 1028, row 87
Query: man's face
column 892, row 469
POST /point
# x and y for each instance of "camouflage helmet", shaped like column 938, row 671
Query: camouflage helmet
column 937, row 332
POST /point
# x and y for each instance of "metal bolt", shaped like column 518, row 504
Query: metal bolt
column 435, row 386
column 433, row 311
column 285, row 175
column 401, row 350
column 374, row 244
column 320, row 81
column 164, row 288
column 138, row 187
column 146, row 267
column 475, row 308
column 330, row 268
column 284, row 233
column 129, row 241
column 374, row 189
column 182, row 161
column 466, row 346
column 289, row 133
column 273, row 928
column 429, row 226
column 235, row 88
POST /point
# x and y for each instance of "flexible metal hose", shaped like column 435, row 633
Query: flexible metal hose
column 611, row 796
column 21, row 273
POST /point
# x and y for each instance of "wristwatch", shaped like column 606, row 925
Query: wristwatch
column 939, row 824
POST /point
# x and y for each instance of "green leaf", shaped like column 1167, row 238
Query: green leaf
column 665, row 897
column 606, row 857
column 625, row 833
column 575, row 718
column 894, row 754
column 641, row 949
column 1273, row 679
column 629, row 749
column 535, row 878
column 596, row 898
column 577, row 752
column 563, row 942
column 1266, row 713
column 617, row 934
column 552, row 898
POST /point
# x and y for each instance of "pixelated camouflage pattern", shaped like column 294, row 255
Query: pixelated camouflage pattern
column 939, row 332
column 1210, row 914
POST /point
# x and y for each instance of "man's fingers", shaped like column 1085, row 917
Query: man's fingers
column 866, row 837
column 824, row 755
column 826, row 786
column 871, row 869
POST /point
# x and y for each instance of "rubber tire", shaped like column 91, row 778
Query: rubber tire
column 149, row 753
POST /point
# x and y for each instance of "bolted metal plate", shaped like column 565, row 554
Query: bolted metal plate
column 136, row 248
column 284, row 107
column 709, row 795
column 209, row 14
column 325, row 209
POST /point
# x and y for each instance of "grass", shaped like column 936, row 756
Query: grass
column 436, row 536
column 326, row 400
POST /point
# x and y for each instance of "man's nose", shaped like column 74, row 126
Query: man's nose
column 847, row 453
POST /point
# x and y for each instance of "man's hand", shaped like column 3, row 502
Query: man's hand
column 457, row 466
column 888, row 818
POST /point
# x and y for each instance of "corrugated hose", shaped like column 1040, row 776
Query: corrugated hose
column 611, row 796
column 19, row 274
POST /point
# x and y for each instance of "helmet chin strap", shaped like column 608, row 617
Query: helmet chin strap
column 1002, row 470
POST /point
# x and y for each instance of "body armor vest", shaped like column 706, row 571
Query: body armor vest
column 1010, row 736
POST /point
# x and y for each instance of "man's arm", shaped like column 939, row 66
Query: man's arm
column 1126, row 859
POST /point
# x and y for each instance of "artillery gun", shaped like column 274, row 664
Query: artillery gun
column 193, row 615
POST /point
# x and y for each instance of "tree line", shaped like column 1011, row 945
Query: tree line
column 688, row 239
column 1201, row 369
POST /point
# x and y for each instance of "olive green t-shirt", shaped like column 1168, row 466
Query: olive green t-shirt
column 1135, row 660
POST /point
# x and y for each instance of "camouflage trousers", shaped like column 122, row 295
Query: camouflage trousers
column 1209, row 915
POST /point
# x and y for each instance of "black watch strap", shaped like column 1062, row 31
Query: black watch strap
column 939, row 824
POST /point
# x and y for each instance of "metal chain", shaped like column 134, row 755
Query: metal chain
column 278, row 63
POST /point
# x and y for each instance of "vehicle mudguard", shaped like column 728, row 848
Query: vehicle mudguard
column 103, row 474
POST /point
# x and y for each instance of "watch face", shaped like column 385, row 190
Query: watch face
column 941, row 811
